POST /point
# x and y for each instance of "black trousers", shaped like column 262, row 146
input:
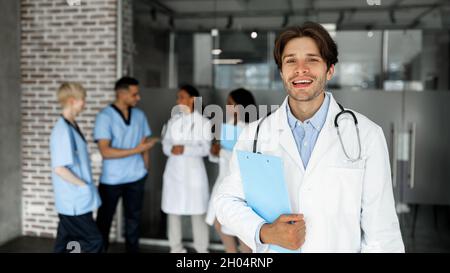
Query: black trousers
column 132, row 195
column 78, row 234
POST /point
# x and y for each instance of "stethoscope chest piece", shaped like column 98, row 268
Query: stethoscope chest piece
column 336, row 125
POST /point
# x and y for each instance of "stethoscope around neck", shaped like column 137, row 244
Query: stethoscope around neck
column 336, row 125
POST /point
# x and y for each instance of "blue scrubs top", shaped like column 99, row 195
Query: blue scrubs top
column 110, row 124
column 68, row 148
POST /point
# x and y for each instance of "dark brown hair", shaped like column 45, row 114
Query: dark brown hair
column 125, row 83
column 327, row 47
column 191, row 90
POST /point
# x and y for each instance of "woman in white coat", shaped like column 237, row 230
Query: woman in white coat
column 185, row 191
column 222, row 155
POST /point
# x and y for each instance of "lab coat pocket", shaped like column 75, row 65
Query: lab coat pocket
column 344, row 163
column 344, row 190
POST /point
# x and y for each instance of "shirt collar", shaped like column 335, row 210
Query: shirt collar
column 317, row 121
column 127, row 121
column 74, row 126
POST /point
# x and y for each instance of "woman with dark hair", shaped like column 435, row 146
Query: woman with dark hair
column 244, row 98
column 238, row 103
column 185, row 191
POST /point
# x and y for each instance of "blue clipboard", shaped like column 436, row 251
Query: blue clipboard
column 265, row 188
column 229, row 135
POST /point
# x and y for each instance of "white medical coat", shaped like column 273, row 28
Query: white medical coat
column 348, row 206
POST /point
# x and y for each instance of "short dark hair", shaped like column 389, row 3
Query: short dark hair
column 327, row 47
column 242, row 97
column 191, row 90
column 125, row 83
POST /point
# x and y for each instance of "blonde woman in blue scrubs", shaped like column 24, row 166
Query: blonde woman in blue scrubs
column 75, row 193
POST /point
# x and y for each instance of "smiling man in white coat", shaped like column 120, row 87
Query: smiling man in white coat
column 340, row 191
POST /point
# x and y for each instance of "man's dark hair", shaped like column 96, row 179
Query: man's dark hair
column 124, row 83
column 191, row 90
column 327, row 46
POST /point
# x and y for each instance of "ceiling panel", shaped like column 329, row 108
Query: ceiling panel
column 330, row 4
column 270, row 13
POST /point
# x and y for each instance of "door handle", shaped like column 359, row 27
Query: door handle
column 412, row 132
column 394, row 154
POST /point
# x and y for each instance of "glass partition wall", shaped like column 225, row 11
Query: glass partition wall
column 390, row 60
column 397, row 78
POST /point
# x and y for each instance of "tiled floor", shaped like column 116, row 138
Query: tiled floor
column 432, row 230
column 45, row 245
column 432, row 235
column 423, row 242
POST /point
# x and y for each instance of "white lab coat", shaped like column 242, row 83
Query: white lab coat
column 348, row 207
column 224, row 162
column 185, row 183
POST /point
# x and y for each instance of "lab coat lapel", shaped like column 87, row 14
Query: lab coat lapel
column 288, row 143
column 327, row 137
column 287, row 140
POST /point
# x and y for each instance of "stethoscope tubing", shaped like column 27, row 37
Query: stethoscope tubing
column 336, row 125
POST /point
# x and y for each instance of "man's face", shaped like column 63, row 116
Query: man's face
column 131, row 97
column 303, row 70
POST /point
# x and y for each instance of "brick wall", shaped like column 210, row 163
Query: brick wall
column 60, row 43
column 128, row 47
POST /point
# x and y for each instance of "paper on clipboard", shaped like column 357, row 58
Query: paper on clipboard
column 265, row 188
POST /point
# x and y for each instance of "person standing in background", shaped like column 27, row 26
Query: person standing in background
column 122, row 134
column 75, row 193
column 222, row 155
column 186, row 141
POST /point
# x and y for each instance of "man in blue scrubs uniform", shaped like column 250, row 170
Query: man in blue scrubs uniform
column 75, row 193
column 122, row 133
